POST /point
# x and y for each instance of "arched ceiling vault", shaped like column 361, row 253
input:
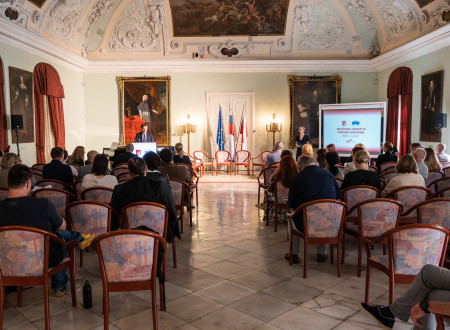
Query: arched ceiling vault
column 248, row 29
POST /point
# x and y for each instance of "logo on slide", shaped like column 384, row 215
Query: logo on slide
column 344, row 123
column 348, row 141
column 138, row 152
column 355, row 123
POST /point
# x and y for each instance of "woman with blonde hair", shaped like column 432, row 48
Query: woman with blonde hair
column 407, row 175
column 77, row 157
column 361, row 175
column 8, row 160
column 431, row 160
column 307, row 150
column 180, row 156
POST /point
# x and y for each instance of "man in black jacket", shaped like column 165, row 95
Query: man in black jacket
column 388, row 155
column 56, row 169
column 124, row 157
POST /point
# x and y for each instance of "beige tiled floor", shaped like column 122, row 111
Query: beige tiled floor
column 231, row 274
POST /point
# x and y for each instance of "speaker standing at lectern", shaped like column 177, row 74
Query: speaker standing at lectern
column 145, row 135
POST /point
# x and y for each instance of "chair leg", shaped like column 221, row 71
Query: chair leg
column 439, row 323
column 105, row 310
column 391, row 289
column 358, row 271
column 81, row 258
column 291, row 246
column 343, row 247
column 72, row 284
column 305, row 258
column 174, row 247
column 366, row 298
column 331, row 254
column 276, row 220
column 196, row 196
column 46, row 306
column 338, row 254
column 154, row 311
column 19, row 296
column 259, row 194
column 181, row 219
column 161, row 297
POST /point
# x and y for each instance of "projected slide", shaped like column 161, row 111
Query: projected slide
column 345, row 125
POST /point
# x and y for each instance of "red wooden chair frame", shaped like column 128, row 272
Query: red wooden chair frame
column 265, row 180
column 439, row 193
column 240, row 163
column 393, row 195
column 227, row 162
column 385, row 166
column 203, row 163
column 83, row 194
column 263, row 156
column 69, row 196
column 38, row 166
column 179, row 205
column 50, row 181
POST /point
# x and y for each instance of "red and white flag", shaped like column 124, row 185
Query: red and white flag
column 243, row 130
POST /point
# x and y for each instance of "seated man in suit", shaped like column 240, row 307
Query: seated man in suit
column 145, row 135
column 56, row 169
column 153, row 163
column 179, row 172
column 124, row 157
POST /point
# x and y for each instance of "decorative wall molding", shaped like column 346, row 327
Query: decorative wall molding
column 97, row 13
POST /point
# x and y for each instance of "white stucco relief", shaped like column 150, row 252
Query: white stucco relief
column 97, row 13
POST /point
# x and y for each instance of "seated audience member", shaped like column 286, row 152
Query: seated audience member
column 361, row 175
column 180, row 156
column 320, row 157
column 330, row 147
column 275, row 155
column 145, row 135
column 153, row 162
column 310, row 184
column 142, row 189
column 331, row 160
column 86, row 169
column 414, row 146
column 351, row 166
column 72, row 168
column 429, row 293
column 1, row 155
column 419, row 155
column 387, row 155
column 173, row 171
column 442, row 156
column 77, row 157
column 18, row 209
column 56, row 169
column 407, row 175
column 124, row 157
column 431, row 160
column 8, row 161
column 307, row 150
column 286, row 153
column 99, row 176
column 285, row 173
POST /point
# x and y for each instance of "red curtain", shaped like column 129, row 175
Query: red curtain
column 3, row 128
column 47, row 82
column 400, row 83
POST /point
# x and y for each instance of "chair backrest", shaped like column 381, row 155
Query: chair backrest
column 23, row 251
column 385, row 166
column 76, row 166
column 60, row 198
column 281, row 193
column 356, row 194
column 222, row 156
column 446, row 170
column 442, row 184
column 377, row 216
column 373, row 168
column 38, row 166
column 119, row 170
column 38, row 177
column 124, row 175
column 414, row 246
column 77, row 188
column 410, row 196
column 267, row 173
column 442, row 193
column 339, row 181
column 53, row 183
column 177, row 188
column 323, row 218
column 152, row 215
column 36, row 171
column 3, row 193
column 261, row 158
column 128, row 255
column 98, row 194
column 202, row 157
column 89, row 217
column 388, row 174
column 434, row 211
column 433, row 176
column 123, row 180
column 242, row 156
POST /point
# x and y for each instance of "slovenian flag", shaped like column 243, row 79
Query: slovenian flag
column 231, row 135
column 243, row 130
column 220, row 131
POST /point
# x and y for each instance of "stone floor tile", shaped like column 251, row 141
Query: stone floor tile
column 144, row 319
column 227, row 318
column 256, row 280
column 305, row 319
column 226, row 292
column 226, row 269
column 195, row 280
column 192, row 306
column 75, row 319
column 293, row 292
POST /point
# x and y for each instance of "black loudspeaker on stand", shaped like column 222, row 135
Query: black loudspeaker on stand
column 440, row 120
column 16, row 125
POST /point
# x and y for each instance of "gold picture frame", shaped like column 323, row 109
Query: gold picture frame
column 132, row 91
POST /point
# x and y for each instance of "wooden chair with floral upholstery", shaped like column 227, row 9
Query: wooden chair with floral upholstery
column 263, row 179
column 223, row 158
column 38, row 166
column 53, row 183
column 373, row 168
column 278, row 201
column 178, row 189
column 89, row 217
column 259, row 160
column 242, row 158
column 388, row 174
column 127, row 268
column 433, row 176
column 409, row 196
column 77, row 188
column 98, row 194
column 203, row 160
column 193, row 185
column 323, row 221
column 60, row 198
column 440, row 185
column 385, row 166
column 31, row 263
column 375, row 217
column 441, row 193
column 119, row 169
column 410, row 247
column 434, row 211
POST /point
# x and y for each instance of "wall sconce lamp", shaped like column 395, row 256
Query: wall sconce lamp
column 273, row 127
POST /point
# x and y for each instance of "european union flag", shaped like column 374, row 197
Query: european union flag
column 220, row 140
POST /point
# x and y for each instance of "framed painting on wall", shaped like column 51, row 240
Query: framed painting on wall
column 431, row 105
column 145, row 100
column 21, row 101
column 306, row 94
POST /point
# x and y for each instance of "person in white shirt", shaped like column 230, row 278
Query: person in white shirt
column 99, row 176
column 275, row 155
column 419, row 155
column 443, row 157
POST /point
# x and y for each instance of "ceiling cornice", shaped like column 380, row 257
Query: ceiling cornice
column 35, row 44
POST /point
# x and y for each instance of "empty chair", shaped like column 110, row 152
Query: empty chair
column 98, row 194
column 259, row 160
column 205, row 160
column 354, row 195
column 433, row 176
column 323, row 220
column 59, row 198
column 223, row 158
column 442, row 193
column 242, row 158
column 53, row 183
column 193, row 185
column 446, row 170
column 409, row 196
column 124, row 267
column 410, row 248
column 434, row 211
column 30, row 264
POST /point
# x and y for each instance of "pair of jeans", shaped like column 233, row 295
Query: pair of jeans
column 60, row 279
column 432, row 283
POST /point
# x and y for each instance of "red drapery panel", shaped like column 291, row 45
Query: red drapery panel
column 3, row 127
column 400, row 83
column 47, row 82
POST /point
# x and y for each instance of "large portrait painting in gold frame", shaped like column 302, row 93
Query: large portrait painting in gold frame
column 145, row 100
column 306, row 94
